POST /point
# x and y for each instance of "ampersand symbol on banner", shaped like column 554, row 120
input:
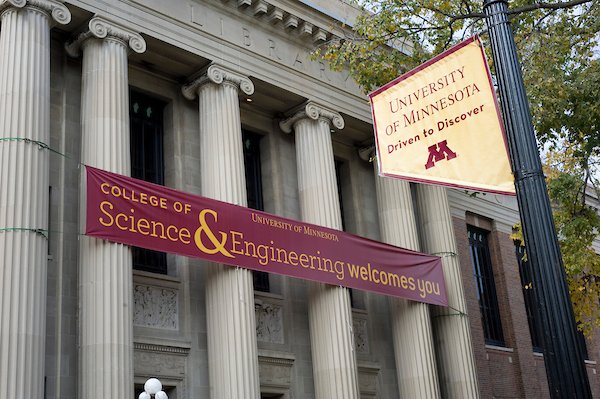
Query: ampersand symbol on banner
column 219, row 245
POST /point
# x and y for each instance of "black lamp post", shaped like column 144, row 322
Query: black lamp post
column 565, row 366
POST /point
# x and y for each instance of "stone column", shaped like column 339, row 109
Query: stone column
column 230, row 319
column 411, row 324
column 105, row 280
column 456, row 365
column 330, row 315
column 24, row 190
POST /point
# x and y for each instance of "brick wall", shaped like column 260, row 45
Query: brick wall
column 509, row 373
column 514, row 371
column 513, row 313
column 477, row 337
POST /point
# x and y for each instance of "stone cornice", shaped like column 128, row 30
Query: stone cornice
column 314, row 111
column 290, row 19
column 60, row 13
column 176, row 350
column 102, row 28
column 217, row 74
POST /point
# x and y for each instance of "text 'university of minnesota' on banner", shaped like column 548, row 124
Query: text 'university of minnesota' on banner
column 134, row 212
column 440, row 124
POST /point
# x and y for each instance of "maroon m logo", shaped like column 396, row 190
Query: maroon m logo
column 439, row 152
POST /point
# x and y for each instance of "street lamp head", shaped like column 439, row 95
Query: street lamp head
column 161, row 395
column 152, row 386
column 144, row 395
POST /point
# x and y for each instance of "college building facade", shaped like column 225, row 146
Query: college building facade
column 221, row 98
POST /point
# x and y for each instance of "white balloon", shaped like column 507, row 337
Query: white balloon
column 152, row 386
column 161, row 395
column 144, row 395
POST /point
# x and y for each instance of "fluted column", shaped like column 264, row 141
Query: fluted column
column 230, row 319
column 24, row 190
column 456, row 365
column 330, row 315
column 411, row 324
column 105, row 279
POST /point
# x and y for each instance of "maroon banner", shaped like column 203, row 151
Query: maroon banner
column 147, row 215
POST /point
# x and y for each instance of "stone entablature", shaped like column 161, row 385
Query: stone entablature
column 286, row 16
column 267, row 40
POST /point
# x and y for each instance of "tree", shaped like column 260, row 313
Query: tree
column 558, row 45
column 558, row 48
column 577, row 225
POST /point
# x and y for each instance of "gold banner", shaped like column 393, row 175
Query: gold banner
column 440, row 124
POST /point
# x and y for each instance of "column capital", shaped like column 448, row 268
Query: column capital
column 59, row 12
column 217, row 74
column 314, row 111
column 102, row 28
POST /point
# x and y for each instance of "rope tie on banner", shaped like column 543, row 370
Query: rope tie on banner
column 458, row 313
column 444, row 254
column 41, row 232
column 41, row 144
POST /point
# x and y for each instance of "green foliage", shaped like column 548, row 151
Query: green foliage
column 577, row 224
column 562, row 75
column 394, row 36
column 558, row 46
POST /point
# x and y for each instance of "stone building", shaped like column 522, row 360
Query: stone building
column 221, row 98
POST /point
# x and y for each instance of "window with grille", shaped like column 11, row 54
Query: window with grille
column 485, row 285
column 147, row 163
column 254, row 192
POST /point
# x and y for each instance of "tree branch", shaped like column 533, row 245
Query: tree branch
column 553, row 6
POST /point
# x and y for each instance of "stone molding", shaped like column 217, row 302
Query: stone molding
column 217, row 74
column 59, row 12
column 176, row 350
column 288, row 21
column 162, row 361
column 102, row 28
column 314, row 111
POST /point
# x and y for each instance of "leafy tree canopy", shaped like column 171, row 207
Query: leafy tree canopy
column 559, row 50
column 558, row 45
